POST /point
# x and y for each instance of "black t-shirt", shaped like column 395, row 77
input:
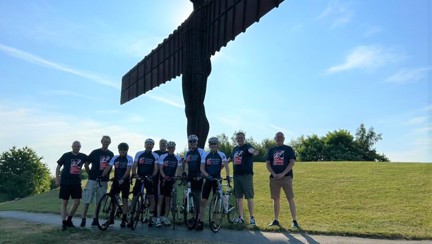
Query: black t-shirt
column 242, row 160
column 279, row 158
column 71, row 172
column 99, row 160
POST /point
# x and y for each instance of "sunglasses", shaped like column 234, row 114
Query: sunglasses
column 192, row 141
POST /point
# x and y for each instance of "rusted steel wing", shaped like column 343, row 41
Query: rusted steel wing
column 226, row 19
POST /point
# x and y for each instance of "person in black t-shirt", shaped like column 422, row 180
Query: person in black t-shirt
column 99, row 159
column 69, row 180
column 280, row 161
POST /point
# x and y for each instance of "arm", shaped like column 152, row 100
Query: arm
column 106, row 170
column 253, row 151
column 134, row 169
column 269, row 168
column 287, row 169
column 86, row 166
column 203, row 171
column 58, row 177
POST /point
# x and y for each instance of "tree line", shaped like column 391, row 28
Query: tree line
column 22, row 172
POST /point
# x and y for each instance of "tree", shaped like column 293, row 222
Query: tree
column 224, row 145
column 22, row 173
column 365, row 140
column 339, row 146
column 310, row 148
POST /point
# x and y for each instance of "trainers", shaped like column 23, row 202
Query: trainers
column 158, row 223
column 83, row 222
column 295, row 224
column 274, row 222
column 94, row 222
column 69, row 223
column 200, row 226
column 238, row 220
column 252, row 221
column 64, row 225
column 166, row 222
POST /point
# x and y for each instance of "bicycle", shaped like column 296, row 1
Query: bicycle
column 190, row 207
column 222, row 203
column 175, row 207
column 108, row 208
column 140, row 206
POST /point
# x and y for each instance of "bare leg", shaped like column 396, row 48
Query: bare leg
column 63, row 210
column 167, row 206
column 240, row 206
column 276, row 208
column 202, row 209
column 292, row 208
column 76, row 203
column 85, row 210
column 250, row 206
column 159, row 206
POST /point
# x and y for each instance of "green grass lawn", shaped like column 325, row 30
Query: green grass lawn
column 388, row 200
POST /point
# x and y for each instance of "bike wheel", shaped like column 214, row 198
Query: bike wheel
column 189, row 212
column 105, row 212
column 145, row 216
column 216, row 213
column 136, row 211
column 232, row 208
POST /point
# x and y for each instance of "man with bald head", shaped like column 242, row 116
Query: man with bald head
column 280, row 161
column 69, row 180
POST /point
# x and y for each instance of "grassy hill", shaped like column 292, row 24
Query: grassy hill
column 389, row 200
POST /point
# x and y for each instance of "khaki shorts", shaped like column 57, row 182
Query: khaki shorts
column 243, row 186
column 286, row 183
column 92, row 188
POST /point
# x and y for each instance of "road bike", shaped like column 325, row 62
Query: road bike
column 190, row 206
column 222, row 203
column 109, row 207
column 176, row 208
column 140, row 210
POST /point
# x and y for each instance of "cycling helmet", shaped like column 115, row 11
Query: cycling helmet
column 213, row 140
column 149, row 140
column 171, row 144
column 123, row 146
column 193, row 138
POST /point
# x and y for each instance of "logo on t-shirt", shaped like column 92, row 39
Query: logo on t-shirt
column 209, row 161
column 238, row 155
column 75, row 167
column 103, row 162
column 278, row 157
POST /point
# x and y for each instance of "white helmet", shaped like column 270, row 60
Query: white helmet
column 213, row 140
column 149, row 140
column 171, row 144
column 192, row 137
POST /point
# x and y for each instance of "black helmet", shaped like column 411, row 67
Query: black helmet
column 123, row 146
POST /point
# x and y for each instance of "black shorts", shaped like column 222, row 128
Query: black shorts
column 148, row 185
column 70, row 191
column 196, row 185
column 124, row 188
column 209, row 186
column 166, row 187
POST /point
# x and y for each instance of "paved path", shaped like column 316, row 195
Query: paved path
column 238, row 237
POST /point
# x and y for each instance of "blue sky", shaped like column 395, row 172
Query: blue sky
column 308, row 67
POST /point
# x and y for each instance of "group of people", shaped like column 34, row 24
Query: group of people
column 159, row 169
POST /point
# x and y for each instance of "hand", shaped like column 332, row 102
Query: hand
column 209, row 178
column 167, row 178
column 58, row 181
